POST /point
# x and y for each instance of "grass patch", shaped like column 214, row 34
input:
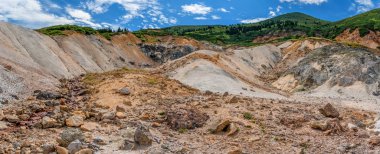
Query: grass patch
column 247, row 116
column 96, row 78
column 152, row 81
column 183, row 130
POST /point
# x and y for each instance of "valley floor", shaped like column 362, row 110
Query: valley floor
column 139, row 111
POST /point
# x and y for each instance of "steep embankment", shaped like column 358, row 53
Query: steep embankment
column 30, row 60
column 162, row 49
column 370, row 40
column 234, row 72
column 335, row 71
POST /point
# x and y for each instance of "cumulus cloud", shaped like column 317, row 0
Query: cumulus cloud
column 29, row 13
column 200, row 18
column 79, row 14
column 314, row 2
column 215, row 17
column 81, row 17
column 362, row 6
column 223, row 10
column 246, row 21
column 196, row 9
column 135, row 9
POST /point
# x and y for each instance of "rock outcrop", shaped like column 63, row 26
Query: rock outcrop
column 30, row 60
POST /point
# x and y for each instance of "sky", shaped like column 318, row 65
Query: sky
column 142, row 14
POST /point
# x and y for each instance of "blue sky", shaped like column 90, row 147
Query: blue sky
column 139, row 14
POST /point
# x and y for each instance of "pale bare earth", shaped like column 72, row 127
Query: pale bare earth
column 244, row 100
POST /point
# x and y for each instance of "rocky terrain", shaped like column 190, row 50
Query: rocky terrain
column 135, row 111
column 84, row 94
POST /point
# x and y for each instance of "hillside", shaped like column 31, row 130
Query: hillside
column 71, row 90
column 283, row 27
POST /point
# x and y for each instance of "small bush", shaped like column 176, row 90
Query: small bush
column 247, row 116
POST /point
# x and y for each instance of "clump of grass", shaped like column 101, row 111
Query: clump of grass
column 161, row 113
column 152, row 81
column 182, row 130
column 247, row 116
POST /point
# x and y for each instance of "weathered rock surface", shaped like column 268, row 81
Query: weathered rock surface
column 31, row 61
column 329, row 111
column 69, row 135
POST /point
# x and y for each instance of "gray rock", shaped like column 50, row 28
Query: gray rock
column 12, row 118
column 329, row 111
column 69, row 135
column 75, row 146
column 46, row 95
column 125, row 91
column 128, row 145
column 142, row 136
column 3, row 125
column 48, row 148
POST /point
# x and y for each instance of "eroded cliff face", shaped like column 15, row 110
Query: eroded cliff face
column 371, row 40
column 30, row 60
column 162, row 49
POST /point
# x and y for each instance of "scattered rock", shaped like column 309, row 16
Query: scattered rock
column 120, row 109
column 24, row 117
column 120, row 115
column 125, row 91
column 52, row 103
column 75, row 146
column 45, row 95
column 143, row 136
column 186, row 118
column 61, row 150
column 225, row 94
column 89, row 126
column 233, row 100
column 156, row 124
column 85, row 151
column 236, row 151
column 329, row 111
column 1, row 115
column 108, row 115
column 3, row 125
column 128, row 145
column 12, row 118
column 75, row 121
column 319, row 125
column 69, row 135
column 100, row 141
column 219, row 126
column 331, row 126
column 48, row 148
column 232, row 129
column 374, row 140
column 208, row 92
column 48, row 122
column 352, row 127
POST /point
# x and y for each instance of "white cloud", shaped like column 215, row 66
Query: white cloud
column 223, row 10
column 135, row 9
column 79, row 14
column 246, row 21
column 314, row 2
column 272, row 13
column 200, row 18
column 317, row 2
column 196, row 9
column 362, row 6
column 215, row 17
column 368, row 3
column 29, row 13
